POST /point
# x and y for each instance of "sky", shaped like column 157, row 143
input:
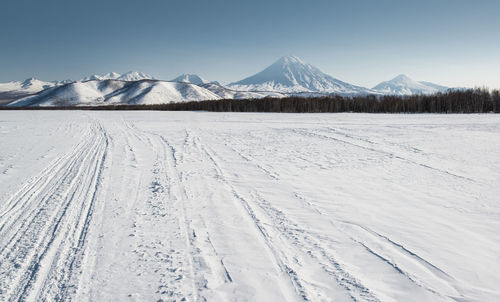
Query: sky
column 453, row 43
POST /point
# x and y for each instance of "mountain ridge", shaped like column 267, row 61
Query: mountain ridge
column 292, row 75
column 190, row 78
column 404, row 85
column 128, row 76
column 113, row 92
column 288, row 76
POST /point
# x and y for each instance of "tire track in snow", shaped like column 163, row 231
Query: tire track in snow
column 216, row 261
column 200, row 264
column 309, row 243
column 281, row 261
column 14, row 204
column 292, row 231
column 207, row 266
column 408, row 256
column 298, row 239
column 386, row 153
column 42, row 254
column 162, row 258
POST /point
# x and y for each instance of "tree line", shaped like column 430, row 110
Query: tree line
column 477, row 100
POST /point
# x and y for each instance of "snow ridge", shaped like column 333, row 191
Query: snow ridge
column 190, row 78
column 404, row 85
column 128, row 76
column 114, row 92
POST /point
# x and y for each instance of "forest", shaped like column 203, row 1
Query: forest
column 477, row 100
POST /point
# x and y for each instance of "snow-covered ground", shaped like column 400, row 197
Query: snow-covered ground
column 150, row 206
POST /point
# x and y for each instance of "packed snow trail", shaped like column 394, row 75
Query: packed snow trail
column 178, row 206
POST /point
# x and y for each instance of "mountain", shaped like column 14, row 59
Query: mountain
column 440, row 88
column 129, row 76
column 190, row 78
column 291, row 75
column 28, row 85
column 107, row 76
column 404, row 85
column 135, row 76
column 112, row 92
column 14, row 90
column 226, row 93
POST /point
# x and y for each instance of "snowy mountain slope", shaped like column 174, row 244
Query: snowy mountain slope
column 129, row 76
column 160, row 92
column 107, row 92
column 440, row 88
column 78, row 93
column 30, row 85
column 15, row 90
column 135, row 76
column 190, row 78
column 108, row 76
column 290, row 75
column 404, row 85
column 227, row 93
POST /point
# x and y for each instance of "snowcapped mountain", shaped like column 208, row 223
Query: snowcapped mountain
column 440, row 88
column 226, row 93
column 107, row 76
column 190, row 78
column 110, row 92
column 285, row 77
column 30, row 85
column 291, row 75
column 404, row 85
column 14, row 90
column 135, row 76
column 129, row 76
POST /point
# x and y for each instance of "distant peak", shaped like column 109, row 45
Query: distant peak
column 135, row 73
column 29, row 80
column 134, row 76
column 291, row 59
column 112, row 75
column 190, row 78
column 402, row 77
column 189, row 75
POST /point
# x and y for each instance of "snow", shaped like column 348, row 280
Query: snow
column 190, row 78
column 291, row 75
column 110, row 92
column 128, row 76
column 135, row 76
column 404, row 85
column 30, row 85
column 148, row 206
column 159, row 92
column 16, row 90
column 226, row 93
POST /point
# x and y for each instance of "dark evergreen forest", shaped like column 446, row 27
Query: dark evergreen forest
column 456, row 101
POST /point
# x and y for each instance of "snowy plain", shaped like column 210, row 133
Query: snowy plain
column 185, row 206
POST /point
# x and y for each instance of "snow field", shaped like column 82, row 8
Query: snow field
column 148, row 206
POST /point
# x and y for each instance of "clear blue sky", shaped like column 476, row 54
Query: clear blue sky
column 451, row 42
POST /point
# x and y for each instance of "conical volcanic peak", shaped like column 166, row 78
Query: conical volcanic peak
column 290, row 74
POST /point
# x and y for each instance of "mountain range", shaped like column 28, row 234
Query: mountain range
column 190, row 78
column 128, row 76
column 287, row 76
